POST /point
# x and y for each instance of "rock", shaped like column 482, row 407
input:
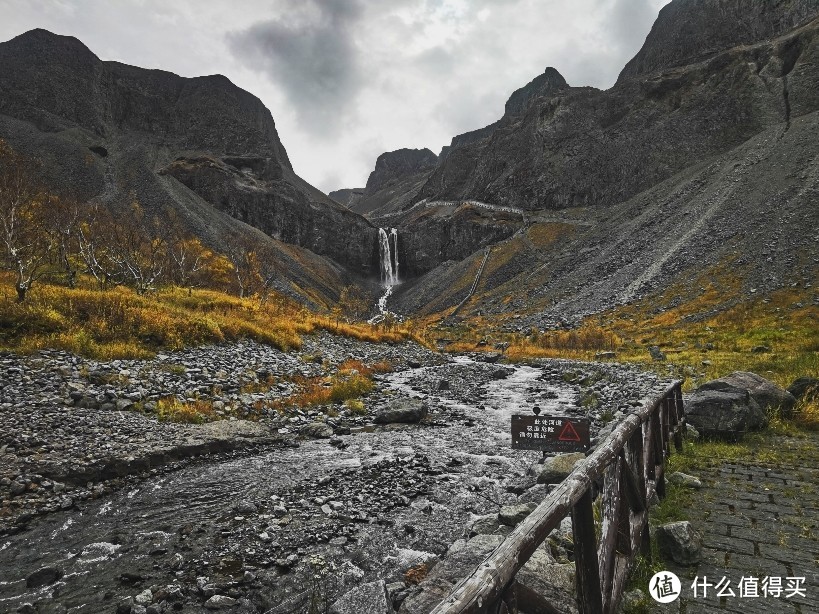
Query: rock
column 683, row 479
column 679, row 542
column 144, row 598
column 511, row 515
column 488, row 524
column 220, row 602
column 461, row 559
column 501, row 373
column 402, row 410
column 543, row 575
column 605, row 355
column 632, row 600
column 43, row 577
column 760, row 349
column 316, row 430
column 443, row 384
column 767, row 395
column 26, row 608
column 557, row 468
column 725, row 414
column 805, row 388
column 369, row 598
column 656, row 353
column 536, row 493
column 519, row 485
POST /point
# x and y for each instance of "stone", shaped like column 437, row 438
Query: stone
column 501, row 373
column 460, row 560
column 683, row 479
column 144, row 598
column 767, row 395
column 220, row 602
column 557, row 468
column 511, row 515
column 656, row 353
column 369, row 598
column 443, row 384
column 43, row 577
column 632, row 601
column 402, row 410
column 316, row 430
column 805, row 388
column 679, row 542
column 726, row 414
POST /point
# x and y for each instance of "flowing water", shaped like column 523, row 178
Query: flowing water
column 128, row 532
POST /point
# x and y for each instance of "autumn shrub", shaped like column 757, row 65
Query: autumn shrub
column 171, row 409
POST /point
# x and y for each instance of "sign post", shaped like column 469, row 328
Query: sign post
column 551, row 433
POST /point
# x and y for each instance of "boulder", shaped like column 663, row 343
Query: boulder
column 511, row 515
column 557, row 468
column 402, row 410
column 805, row 388
column 501, row 373
column 317, row 430
column 767, row 395
column 461, row 559
column 679, row 542
column 726, row 413
column 220, row 602
column 683, row 479
column 43, row 577
column 369, row 598
column 656, row 353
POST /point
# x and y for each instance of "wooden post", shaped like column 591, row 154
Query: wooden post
column 589, row 598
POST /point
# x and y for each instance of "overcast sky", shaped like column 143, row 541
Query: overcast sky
column 349, row 79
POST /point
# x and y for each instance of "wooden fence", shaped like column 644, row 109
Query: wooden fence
column 630, row 463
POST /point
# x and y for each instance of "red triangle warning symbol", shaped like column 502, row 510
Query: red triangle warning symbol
column 568, row 433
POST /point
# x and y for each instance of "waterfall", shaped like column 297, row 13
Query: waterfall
column 388, row 255
column 388, row 251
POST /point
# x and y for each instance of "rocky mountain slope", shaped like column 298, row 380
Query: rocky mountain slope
column 202, row 147
column 698, row 159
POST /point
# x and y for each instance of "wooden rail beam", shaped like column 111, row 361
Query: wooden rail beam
column 485, row 587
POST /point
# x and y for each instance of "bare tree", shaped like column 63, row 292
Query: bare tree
column 26, row 245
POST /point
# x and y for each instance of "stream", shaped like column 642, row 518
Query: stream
column 260, row 530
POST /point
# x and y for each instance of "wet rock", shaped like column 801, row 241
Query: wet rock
column 726, row 413
column 443, row 384
column 43, row 577
column 369, row 598
column 402, row 410
column 501, row 373
column 511, row 515
column 316, row 430
column 220, row 602
column 679, row 542
column 557, row 468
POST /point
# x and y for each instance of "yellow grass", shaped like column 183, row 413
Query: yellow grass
column 119, row 323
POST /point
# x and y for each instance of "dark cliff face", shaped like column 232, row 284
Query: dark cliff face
column 395, row 165
column 152, row 132
column 547, row 84
column 688, row 31
column 586, row 147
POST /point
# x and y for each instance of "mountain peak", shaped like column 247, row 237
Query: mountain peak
column 688, row 31
column 544, row 84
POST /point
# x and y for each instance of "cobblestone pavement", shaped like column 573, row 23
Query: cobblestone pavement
column 757, row 520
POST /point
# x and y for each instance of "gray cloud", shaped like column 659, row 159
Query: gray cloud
column 309, row 50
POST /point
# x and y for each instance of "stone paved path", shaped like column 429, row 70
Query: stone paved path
column 757, row 520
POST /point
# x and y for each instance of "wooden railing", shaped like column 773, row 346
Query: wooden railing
column 630, row 463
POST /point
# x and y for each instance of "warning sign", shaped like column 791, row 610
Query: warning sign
column 550, row 433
